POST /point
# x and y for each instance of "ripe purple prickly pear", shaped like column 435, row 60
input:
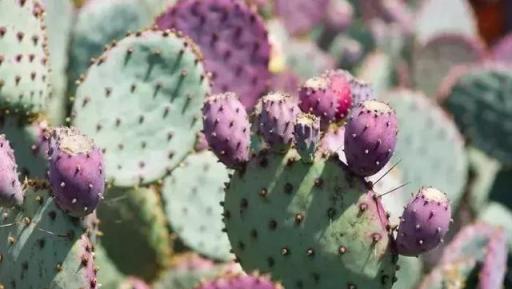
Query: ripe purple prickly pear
column 307, row 135
column 328, row 96
column 276, row 119
column 370, row 137
column 240, row 281
column 10, row 187
column 76, row 171
column 227, row 128
column 424, row 222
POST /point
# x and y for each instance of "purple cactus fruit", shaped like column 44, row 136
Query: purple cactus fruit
column 10, row 188
column 76, row 171
column 307, row 135
column 276, row 119
column 370, row 137
column 328, row 96
column 240, row 281
column 424, row 222
column 227, row 128
column 233, row 39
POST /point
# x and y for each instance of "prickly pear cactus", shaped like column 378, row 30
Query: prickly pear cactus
column 481, row 106
column 308, row 224
column 97, row 24
column 454, row 16
column 434, row 60
column 234, row 42
column 59, row 19
column 192, row 194
column 42, row 247
column 135, row 216
column 23, row 57
column 476, row 243
column 426, row 131
column 141, row 101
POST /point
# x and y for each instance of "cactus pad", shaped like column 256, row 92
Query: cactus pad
column 308, row 224
column 10, row 186
column 426, row 131
column 481, row 106
column 97, row 24
column 433, row 61
column 23, row 57
column 141, row 102
column 233, row 40
column 42, row 247
column 133, row 221
column 192, row 194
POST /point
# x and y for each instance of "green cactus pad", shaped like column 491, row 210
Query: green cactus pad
column 27, row 144
column 141, row 102
column 59, row 20
column 134, row 223
column 23, row 57
column 192, row 194
column 309, row 225
column 42, row 247
column 429, row 147
column 482, row 107
column 98, row 23
column 433, row 61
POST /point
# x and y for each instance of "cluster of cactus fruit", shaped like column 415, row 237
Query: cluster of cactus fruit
column 252, row 144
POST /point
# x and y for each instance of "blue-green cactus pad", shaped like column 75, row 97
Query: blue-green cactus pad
column 59, row 20
column 141, row 102
column 482, row 107
column 309, row 225
column 429, row 147
column 192, row 194
column 97, row 24
column 23, row 57
column 42, row 247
